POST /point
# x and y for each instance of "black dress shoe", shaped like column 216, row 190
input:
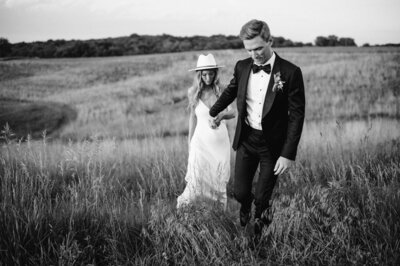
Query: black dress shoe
column 244, row 217
column 245, row 211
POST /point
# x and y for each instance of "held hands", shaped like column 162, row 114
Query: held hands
column 282, row 164
column 214, row 123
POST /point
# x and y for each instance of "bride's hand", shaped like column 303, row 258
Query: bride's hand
column 213, row 123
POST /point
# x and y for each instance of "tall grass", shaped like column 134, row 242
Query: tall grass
column 95, row 194
column 111, row 202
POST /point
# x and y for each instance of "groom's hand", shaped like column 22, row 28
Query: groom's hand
column 282, row 164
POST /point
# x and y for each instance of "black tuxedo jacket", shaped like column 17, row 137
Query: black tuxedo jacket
column 283, row 110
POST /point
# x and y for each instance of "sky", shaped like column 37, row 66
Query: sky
column 366, row 21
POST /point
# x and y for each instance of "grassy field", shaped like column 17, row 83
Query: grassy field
column 129, row 97
column 99, row 186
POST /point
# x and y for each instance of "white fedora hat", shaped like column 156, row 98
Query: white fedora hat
column 205, row 62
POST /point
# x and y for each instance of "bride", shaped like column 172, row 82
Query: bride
column 208, row 167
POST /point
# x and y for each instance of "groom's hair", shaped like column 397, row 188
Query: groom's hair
column 255, row 28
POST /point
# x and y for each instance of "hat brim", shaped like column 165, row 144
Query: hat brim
column 204, row 68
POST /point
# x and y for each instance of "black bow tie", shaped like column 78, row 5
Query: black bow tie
column 266, row 68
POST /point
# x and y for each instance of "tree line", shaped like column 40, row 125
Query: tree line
column 143, row 44
column 333, row 40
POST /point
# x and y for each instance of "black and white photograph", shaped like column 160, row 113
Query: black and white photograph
column 178, row 132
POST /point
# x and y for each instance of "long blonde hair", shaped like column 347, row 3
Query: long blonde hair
column 197, row 88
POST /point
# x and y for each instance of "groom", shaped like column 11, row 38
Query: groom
column 270, row 102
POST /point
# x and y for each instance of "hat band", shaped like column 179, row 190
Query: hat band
column 215, row 66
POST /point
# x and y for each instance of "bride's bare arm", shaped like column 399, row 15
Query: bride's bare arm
column 192, row 124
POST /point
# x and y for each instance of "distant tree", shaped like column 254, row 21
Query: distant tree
column 185, row 45
column 5, row 47
column 287, row 43
column 298, row 44
column 333, row 40
column 234, row 42
column 391, row 45
column 48, row 50
column 115, row 51
column 20, row 49
column 75, row 49
column 168, row 45
column 321, row 41
column 79, row 49
column 278, row 41
column 199, row 42
column 347, row 42
column 366, row 45
column 216, row 42
column 102, row 47
column 59, row 42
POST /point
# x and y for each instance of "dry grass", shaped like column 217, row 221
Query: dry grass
column 112, row 202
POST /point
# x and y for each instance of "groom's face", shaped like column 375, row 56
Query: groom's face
column 258, row 49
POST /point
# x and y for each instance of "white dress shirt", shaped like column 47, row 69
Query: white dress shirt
column 255, row 96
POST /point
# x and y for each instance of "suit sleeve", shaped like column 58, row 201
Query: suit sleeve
column 227, row 96
column 296, row 110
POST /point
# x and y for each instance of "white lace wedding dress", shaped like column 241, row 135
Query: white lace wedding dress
column 208, row 167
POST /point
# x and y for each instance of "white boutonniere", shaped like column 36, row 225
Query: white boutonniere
column 278, row 82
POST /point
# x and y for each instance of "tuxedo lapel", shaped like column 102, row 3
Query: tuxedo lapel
column 270, row 97
column 244, row 80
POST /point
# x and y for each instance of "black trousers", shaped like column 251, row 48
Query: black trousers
column 253, row 151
